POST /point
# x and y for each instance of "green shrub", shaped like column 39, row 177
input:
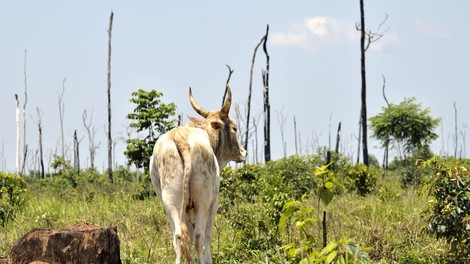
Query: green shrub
column 304, row 247
column 448, row 214
column 361, row 179
column 12, row 195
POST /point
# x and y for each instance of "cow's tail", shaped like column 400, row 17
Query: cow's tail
column 184, row 149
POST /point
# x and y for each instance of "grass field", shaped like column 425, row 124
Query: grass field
column 388, row 221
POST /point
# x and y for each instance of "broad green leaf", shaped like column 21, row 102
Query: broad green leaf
column 330, row 247
column 331, row 257
column 329, row 185
column 326, row 196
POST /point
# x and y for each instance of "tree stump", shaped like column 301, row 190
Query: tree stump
column 82, row 243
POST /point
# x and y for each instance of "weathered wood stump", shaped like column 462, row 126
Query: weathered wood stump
column 81, row 243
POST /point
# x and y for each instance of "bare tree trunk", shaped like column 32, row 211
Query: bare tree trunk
column 76, row 152
column 456, row 134
column 365, row 151
column 295, row 137
column 328, row 153
column 267, row 107
column 110, row 140
column 91, row 131
column 249, row 93
column 282, row 123
column 61, row 117
column 230, row 71
column 387, row 143
column 325, row 236
column 256, row 139
column 25, row 146
column 41, row 156
column 18, row 132
column 338, row 137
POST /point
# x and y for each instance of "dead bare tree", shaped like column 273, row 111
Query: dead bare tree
column 25, row 146
column 255, row 141
column 463, row 134
column 249, row 93
column 365, row 152
column 61, row 117
column 371, row 37
column 281, row 119
column 76, row 151
column 110, row 140
column 91, row 131
column 387, row 142
column 338, row 138
column 41, row 157
column 230, row 71
column 295, row 138
column 18, row 132
column 456, row 134
column 267, row 107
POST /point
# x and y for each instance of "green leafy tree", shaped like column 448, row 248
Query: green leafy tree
column 12, row 195
column 410, row 126
column 151, row 116
column 448, row 212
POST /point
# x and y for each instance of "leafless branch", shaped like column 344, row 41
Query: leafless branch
column 373, row 36
column 383, row 89
column 230, row 71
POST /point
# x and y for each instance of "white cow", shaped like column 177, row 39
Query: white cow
column 185, row 168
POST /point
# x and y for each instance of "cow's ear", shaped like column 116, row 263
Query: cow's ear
column 195, row 120
column 217, row 124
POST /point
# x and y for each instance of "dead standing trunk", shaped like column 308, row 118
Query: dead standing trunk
column 365, row 151
column 61, row 118
column 110, row 140
column 249, row 94
column 17, row 135
column 25, row 146
column 41, row 155
column 267, row 107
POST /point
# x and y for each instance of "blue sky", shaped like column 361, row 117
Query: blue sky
column 167, row 46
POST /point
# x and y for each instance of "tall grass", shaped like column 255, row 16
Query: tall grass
column 387, row 220
column 142, row 225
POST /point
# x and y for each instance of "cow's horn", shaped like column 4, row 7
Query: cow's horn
column 203, row 112
column 228, row 102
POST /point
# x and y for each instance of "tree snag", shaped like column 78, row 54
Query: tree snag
column 230, row 71
column 249, row 93
column 267, row 107
column 110, row 140
column 17, row 135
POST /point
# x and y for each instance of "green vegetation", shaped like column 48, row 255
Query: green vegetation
column 406, row 123
column 448, row 215
column 270, row 211
column 150, row 115
column 12, row 189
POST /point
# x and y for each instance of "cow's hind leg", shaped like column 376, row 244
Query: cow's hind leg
column 200, row 224
column 208, row 230
column 175, row 224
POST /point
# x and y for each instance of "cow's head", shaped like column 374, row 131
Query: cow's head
column 222, row 130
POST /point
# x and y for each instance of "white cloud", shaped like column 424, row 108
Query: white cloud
column 315, row 33
column 331, row 29
column 429, row 29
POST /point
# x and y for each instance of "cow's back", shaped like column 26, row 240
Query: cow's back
column 167, row 162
